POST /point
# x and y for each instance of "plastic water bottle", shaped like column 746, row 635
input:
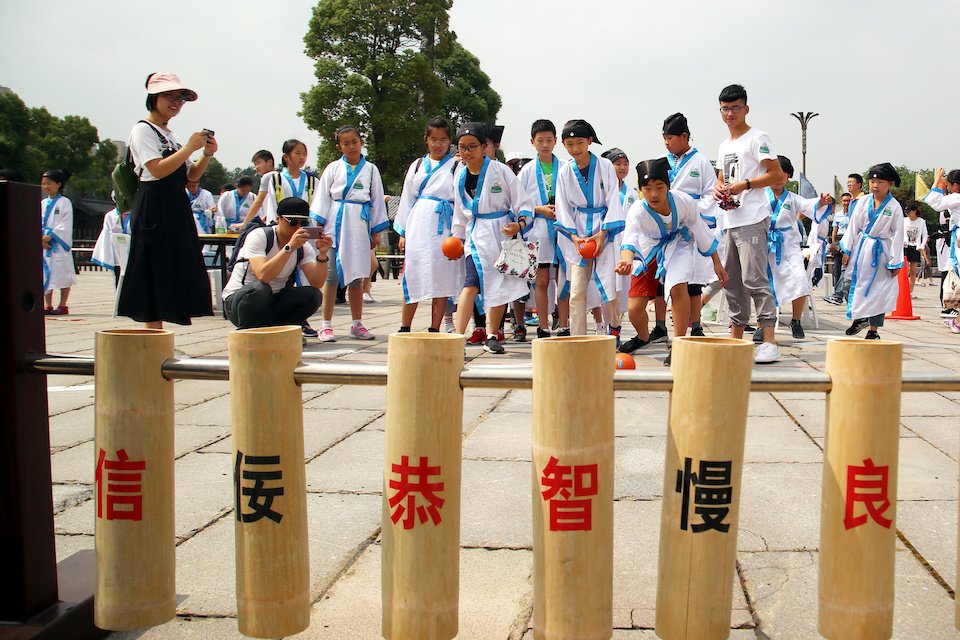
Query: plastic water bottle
column 220, row 224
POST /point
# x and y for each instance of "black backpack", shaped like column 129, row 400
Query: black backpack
column 253, row 225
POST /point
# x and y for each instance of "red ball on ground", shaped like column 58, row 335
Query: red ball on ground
column 625, row 361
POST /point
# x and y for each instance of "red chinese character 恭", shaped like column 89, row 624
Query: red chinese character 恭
column 867, row 484
column 123, row 495
column 404, row 499
column 559, row 480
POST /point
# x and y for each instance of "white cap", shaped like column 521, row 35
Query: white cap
column 514, row 155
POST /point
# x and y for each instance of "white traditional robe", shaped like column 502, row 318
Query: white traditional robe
column 785, row 270
column 105, row 252
column 425, row 220
column 349, row 203
column 56, row 217
column 234, row 208
column 693, row 174
column 874, row 242
column 672, row 242
column 544, row 229
column 948, row 204
column 499, row 199
column 627, row 196
column 202, row 205
column 584, row 208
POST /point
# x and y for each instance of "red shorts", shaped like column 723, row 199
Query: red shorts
column 646, row 284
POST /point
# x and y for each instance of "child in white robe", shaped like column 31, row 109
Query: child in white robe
column 424, row 220
column 945, row 198
column 349, row 203
column 56, row 213
column 666, row 227
column 106, row 252
column 873, row 249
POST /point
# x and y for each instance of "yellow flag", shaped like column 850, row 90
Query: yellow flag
column 921, row 190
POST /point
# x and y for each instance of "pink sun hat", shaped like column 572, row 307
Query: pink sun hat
column 164, row 81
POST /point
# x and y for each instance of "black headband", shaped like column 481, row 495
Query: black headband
column 676, row 125
column 476, row 129
column 658, row 169
column 614, row 154
column 579, row 129
column 885, row 171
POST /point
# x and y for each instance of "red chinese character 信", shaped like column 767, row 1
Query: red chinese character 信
column 124, row 499
column 867, row 484
column 415, row 480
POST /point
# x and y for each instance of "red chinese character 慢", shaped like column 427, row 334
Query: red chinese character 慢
column 404, row 499
column 124, row 499
column 867, row 484
column 568, row 482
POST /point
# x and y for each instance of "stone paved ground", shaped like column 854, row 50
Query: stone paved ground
column 775, row 591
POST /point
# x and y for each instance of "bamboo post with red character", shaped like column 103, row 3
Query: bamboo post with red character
column 269, row 477
column 573, row 462
column 420, row 556
column 701, row 487
column 133, row 453
column 858, row 532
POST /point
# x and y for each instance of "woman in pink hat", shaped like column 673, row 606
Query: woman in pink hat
column 165, row 278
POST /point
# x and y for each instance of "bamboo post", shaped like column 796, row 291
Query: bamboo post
column 858, row 530
column 270, row 489
column 133, row 452
column 572, row 469
column 420, row 573
column 701, row 487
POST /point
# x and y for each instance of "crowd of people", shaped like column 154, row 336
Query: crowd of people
column 595, row 246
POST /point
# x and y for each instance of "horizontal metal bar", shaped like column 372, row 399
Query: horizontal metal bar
column 375, row 375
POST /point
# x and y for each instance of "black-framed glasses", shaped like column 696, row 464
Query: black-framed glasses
column 737, row 108
column 469, row 148
column 297, row 221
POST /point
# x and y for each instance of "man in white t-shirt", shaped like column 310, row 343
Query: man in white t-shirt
column 746, row 165
column 261, row 291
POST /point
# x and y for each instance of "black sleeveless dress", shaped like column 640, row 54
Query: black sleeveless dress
column 165, row 278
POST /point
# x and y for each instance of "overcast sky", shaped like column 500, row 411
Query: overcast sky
column 868, row 68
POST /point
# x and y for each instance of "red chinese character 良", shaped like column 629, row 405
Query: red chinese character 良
column 415, row 480
column 124, row 499
column 867, row 484
column 563, row 482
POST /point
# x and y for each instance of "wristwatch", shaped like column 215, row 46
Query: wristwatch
column 287, row 248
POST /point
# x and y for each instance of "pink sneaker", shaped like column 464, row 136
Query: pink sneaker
column 326, row 335
column 955, row 326
column 360, row 332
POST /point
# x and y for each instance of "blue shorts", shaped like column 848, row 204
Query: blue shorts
column 472, row 279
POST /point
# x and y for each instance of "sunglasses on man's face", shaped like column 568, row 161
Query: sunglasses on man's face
column 297, row 221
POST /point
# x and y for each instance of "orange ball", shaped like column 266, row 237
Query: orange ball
column 452, row 247
column 587, row 249
column 625, row 361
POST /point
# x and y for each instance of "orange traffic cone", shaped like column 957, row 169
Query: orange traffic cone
column 904, row 310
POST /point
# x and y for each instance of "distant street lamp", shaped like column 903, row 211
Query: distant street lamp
column 804, row 118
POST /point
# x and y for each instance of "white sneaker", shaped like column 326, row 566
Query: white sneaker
column 449, row 327
column 766, row 352
column 368, row 297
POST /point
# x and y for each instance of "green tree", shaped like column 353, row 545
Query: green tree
column 214, row 177
column 14, row 127
column 385, row 66
column 94, row 180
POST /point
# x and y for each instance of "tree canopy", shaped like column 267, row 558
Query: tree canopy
column 386, row 66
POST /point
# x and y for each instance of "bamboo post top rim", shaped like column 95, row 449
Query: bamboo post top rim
column 425, row 335
column 569, row 339
column 267, row 330
column 866, row 344
column 135, row 332
column 714, row 341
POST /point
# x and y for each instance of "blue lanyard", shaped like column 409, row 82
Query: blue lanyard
column 623, row 193
column 586, row 186
column 352, row 174
column 51, row 204
column 239, row 201
column 473, row 203
column 125, row 223
column 295, row 189
column 674, row 167
column 541, row 183
column 430, row 171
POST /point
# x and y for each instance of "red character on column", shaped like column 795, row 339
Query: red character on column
column 404, row 499
column 867, row 484
column 124, row 499
column 565, row 481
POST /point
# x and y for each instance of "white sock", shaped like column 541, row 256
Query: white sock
column 356, row 323
column 327, row 324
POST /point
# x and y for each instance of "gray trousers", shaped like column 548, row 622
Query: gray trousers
column 746, row 266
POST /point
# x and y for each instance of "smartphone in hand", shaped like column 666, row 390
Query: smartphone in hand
column 314, row 233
